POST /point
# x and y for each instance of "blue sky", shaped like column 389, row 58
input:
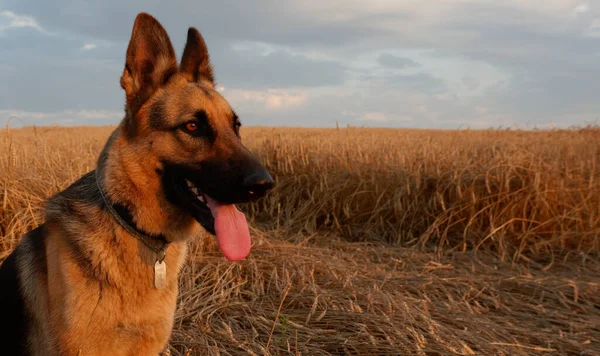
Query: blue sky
column 433, row 64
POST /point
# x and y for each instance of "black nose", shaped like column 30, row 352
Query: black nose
column 258, row 183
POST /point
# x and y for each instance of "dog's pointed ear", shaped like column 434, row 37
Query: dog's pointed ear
column 149, row 63
column 195, row 61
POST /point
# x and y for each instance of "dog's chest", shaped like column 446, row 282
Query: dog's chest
column 125, row 323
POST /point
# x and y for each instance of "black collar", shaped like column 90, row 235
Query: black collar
column 157, row 243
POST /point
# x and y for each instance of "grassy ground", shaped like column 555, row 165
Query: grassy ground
column 377, row 241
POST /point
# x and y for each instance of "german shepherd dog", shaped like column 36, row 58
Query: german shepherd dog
column 99, row 276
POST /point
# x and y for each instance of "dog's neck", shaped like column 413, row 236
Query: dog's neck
column 122, row 215
column 127, row 172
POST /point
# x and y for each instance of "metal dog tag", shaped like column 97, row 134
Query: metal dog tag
column 160, row 274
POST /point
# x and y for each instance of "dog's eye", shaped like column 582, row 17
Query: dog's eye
column 191, row 126
column 198, row 126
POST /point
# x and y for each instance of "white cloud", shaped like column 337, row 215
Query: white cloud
column 594, row 29
column 88, row 46
column 581, row 9
column 374, row 116
column 272, row 99
column 81, row 117
column 473, row 124
column 419, row 18
column 10, row 20
column 260, row 48
column 381, row 117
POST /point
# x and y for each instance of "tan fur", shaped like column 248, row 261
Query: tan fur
column 128, row 316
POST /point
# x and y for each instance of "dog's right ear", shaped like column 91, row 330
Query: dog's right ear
column 149, row 63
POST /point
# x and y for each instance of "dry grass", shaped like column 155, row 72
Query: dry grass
column 377, row 241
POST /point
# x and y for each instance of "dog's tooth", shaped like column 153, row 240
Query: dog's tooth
column 189, row 184
column 195, row 190
column 201, row 198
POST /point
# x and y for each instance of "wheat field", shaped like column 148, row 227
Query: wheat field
column 376, row 241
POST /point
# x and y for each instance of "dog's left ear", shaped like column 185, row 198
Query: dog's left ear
column 195, row 61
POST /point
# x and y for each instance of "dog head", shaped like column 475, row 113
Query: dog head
column 175, row 113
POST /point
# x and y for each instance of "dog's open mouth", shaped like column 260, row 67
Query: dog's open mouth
column 221, row 219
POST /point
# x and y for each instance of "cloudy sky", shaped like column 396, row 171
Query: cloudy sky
column 434, row 63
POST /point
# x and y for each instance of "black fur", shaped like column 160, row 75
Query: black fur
column 15, row 320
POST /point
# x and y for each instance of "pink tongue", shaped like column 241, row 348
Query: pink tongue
column 231, row 229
